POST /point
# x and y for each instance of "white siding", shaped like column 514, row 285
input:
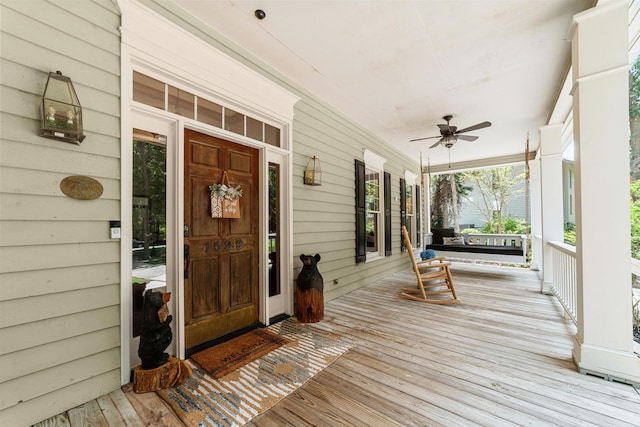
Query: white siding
column 59, row 271
column 324, row 216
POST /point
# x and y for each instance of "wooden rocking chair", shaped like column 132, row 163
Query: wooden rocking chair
column 433, row 276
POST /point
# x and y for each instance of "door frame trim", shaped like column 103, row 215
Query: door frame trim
column 286, row 232
column 179, row 58
column 175, row 216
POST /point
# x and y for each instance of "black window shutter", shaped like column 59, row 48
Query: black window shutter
column 361, row 214
column 418, row 222
column 387, row 214
column 403, row 210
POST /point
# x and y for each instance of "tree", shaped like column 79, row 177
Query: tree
column 454, row 203
column 635, row 220
column 149, row 190
column 447, row 194
column 440, row 201
column 497, row 187
column 634, row 118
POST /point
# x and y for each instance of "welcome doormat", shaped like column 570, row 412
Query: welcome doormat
column 223, row 358
column 238, row 397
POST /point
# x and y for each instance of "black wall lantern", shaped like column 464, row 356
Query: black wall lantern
column 60, row 112
column 313, row 172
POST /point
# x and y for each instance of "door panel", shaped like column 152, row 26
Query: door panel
column 221, row 284
column 206, row 300
column 201, row 225
column 241, row 284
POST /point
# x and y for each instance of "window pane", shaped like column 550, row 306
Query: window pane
column 372, row 232
column 271, row 135
column 274, row 226
column 148, row 216
column 209, row 113
column 407, row 224
column 409, row 199
column 181, row 102
column 372, row 199
column 233, row 121
column 254, row 129
column 148, row 91
column 372, row 190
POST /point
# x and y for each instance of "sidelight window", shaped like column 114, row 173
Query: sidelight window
column 148, row 217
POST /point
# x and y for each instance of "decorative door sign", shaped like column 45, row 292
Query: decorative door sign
column 225, row 199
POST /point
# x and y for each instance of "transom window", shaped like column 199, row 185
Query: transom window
column 155, row 93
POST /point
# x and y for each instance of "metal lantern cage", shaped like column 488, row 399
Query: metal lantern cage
column 60, row 112
column 313, row 172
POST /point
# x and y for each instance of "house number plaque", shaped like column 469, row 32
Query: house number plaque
column 81, row 187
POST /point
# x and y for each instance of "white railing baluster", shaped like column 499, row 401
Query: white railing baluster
column 565, row 286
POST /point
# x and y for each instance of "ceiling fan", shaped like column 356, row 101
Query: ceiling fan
column 449, row 135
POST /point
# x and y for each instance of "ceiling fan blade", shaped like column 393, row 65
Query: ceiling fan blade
column 467, row 137
column 436, row 144
column 474, row 127
column 420, row 139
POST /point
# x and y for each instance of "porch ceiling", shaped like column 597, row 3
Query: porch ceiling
column 397, row 67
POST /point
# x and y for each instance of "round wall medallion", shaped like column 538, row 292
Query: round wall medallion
column 81, row 187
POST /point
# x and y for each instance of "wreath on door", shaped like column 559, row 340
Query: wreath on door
column 225, row 199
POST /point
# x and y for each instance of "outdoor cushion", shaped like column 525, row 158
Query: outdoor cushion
column 453, row 240
column 439, row 233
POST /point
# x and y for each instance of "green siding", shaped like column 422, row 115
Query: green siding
column 59, row 271
column 58, row 268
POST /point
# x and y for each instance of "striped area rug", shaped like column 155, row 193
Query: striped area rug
column 245, row 393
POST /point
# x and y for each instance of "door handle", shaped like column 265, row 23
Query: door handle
column 187, row 261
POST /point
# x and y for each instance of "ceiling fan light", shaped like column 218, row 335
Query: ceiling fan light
column 448, row 141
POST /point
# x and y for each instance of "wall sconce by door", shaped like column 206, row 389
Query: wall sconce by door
column 313, row 172
column 60, row 112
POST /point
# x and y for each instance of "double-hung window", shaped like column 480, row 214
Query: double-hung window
column 409, row 207
column 372, row 185
column 408, row 203
column 372, row 208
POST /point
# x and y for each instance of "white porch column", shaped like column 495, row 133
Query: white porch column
column 535, row 197
column 604, row 342
column 551, row 184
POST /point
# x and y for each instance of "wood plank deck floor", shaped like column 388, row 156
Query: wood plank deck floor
column 502, row 357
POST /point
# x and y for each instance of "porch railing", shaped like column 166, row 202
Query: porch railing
column 565, row 283
column 515, row 240
column 565, row 286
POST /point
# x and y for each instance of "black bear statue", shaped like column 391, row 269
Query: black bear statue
column 156, row 333
column 309, row 295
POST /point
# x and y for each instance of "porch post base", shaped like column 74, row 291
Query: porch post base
column 607, row 363
column 546, row 288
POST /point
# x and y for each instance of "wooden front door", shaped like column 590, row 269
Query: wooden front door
column 221, row 254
